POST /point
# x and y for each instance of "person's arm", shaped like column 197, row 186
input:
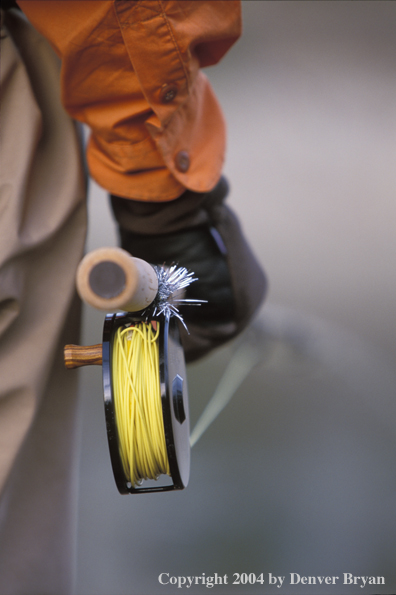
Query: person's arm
column 131, row 71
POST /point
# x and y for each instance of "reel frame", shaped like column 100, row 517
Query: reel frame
column 174, row 401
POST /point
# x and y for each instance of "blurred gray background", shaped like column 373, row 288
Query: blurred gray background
column 297, row 475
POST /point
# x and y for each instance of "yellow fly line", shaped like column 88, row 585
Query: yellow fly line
column 137, row 402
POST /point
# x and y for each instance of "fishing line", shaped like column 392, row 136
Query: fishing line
column 137, row 402
column 245, row 358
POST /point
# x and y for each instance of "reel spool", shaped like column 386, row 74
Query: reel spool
column 172, row 414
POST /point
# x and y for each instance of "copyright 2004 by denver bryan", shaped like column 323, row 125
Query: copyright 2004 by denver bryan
column 293, row 578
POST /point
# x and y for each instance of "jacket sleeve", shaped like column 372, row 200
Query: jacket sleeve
column 131, row 70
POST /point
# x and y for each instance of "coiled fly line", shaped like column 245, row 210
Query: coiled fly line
column 137, row 402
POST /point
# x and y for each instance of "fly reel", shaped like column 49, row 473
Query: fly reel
column 143, row 368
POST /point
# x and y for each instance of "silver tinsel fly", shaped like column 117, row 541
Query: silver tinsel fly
column 171, row 280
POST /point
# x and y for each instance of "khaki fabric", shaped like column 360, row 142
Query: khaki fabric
column 42, row 234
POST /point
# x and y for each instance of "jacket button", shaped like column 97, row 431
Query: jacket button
column 168, row 93
column 182, row 161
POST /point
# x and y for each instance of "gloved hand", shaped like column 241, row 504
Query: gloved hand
column 199, row 232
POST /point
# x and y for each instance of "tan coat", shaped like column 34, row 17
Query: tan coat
column 42, row 234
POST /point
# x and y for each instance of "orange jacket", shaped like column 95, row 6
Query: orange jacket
column 131, row 71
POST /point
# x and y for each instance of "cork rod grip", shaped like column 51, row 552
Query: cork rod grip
column 111, row 279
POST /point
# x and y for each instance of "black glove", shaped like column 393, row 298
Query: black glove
column 199, row 232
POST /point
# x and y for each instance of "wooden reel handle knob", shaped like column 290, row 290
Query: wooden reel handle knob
column 76, row 356
column 111, row 279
